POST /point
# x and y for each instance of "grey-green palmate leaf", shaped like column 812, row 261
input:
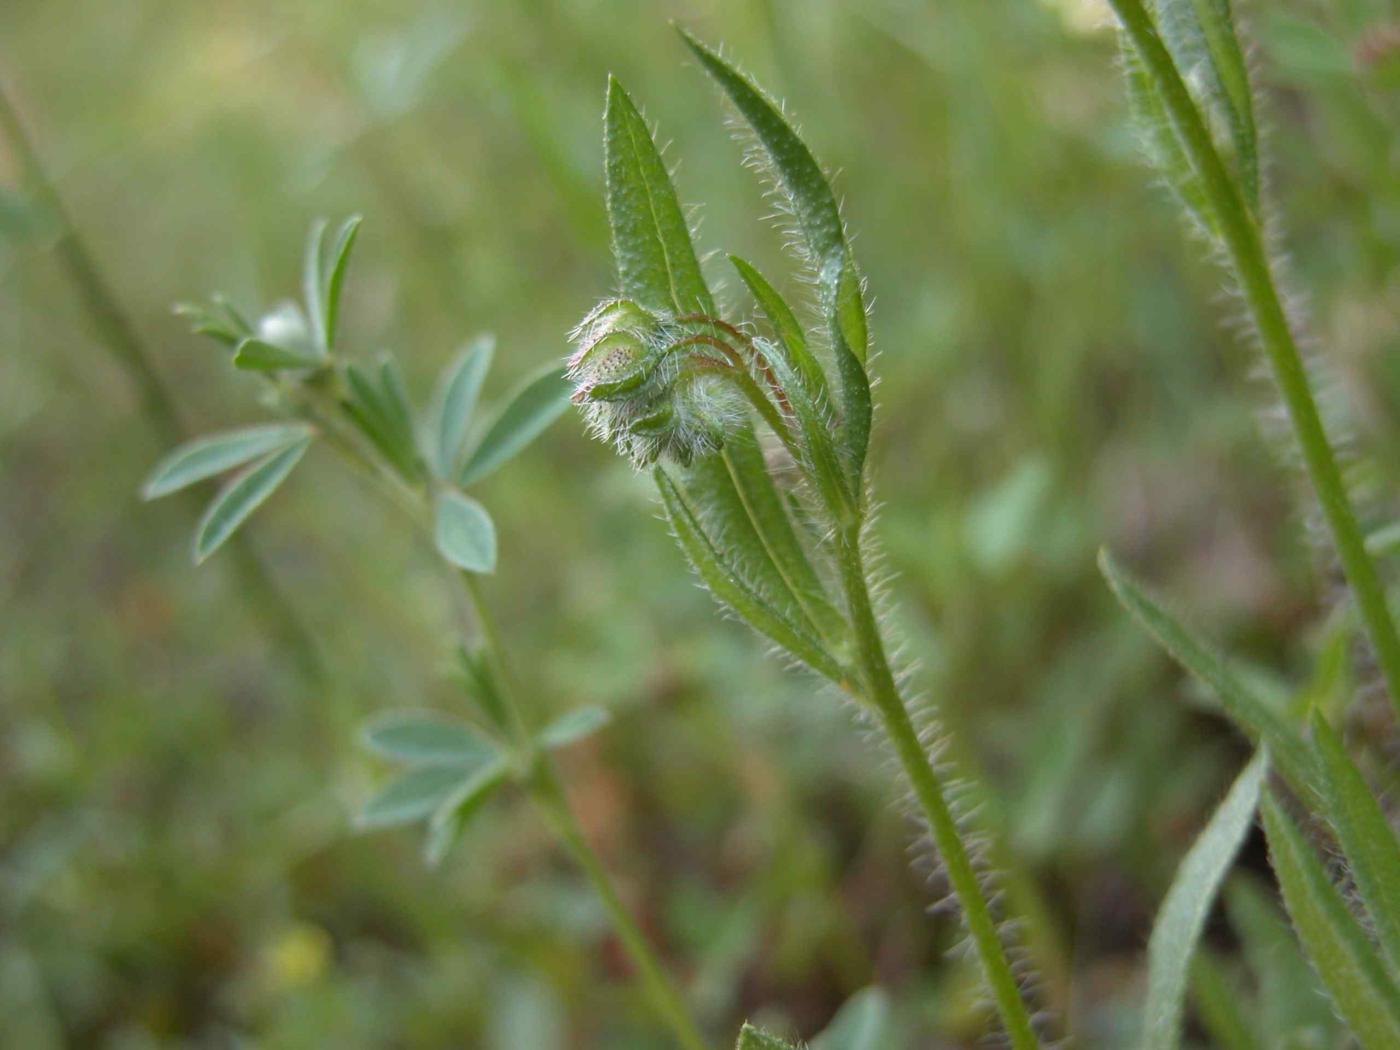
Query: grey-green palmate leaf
column 324, row 276
column 751, row 1038
column 1366, row 837
column 656, row 263
column 720, row 576
column 458, row 807
column 209, row 456
column 411, row 796
column 243, row 495
column 1255, row 718
column 809, row 196
column 378, row 406
column 335, row 276
column 258, row 355
column 576, row 725
column 464, row 532
column 1182, row 917
column 1343, row 957
column 527, row 414
column 864, row 1022
column 454, row 404
column 424, row 738
column 1201, row 39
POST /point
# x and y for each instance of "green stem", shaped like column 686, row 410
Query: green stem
column 117, row 333
column 666, row 1000
column 1244, row 246
column 883, row 694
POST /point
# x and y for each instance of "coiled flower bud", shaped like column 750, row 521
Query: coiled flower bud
column 656, row 386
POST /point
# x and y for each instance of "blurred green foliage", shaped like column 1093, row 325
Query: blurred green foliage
column 177, row 865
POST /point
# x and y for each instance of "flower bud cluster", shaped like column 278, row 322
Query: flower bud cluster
column 653, row 385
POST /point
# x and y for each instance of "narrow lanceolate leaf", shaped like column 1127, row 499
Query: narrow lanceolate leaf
column 751, row 1038
column 730, row 588
column 209, row 456
column 379, row 407
column 313, row 288
column 864, row 1022
column 526, row 415
column 578, row 724
column 745, row 461
column 1182, row 917
column 656, row 261
column 1366, row 837
column 455, row 404
column 335, row 276
column 1345, row 960
column 424, row 738
column 464, row 532
column 1251, row 714
column 813, row 204
column 1200, row 36
column 1160, row 142
column 780, row 315
column 257, row 355
column 243, row 495
column 458, row 807
column 414, row 795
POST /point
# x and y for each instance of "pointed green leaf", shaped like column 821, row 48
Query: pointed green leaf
column 455, row 403
column 1200, row 37
column 1252, row 715
column 243, row 495
column 1366, row 837
column 751, row 1038
column 1344, row 959
column 864, row 1022
column 789, row 331
column 379, row 407
column 1160, row 142
column 1182, row 917
column 464, row 532
column 480, row 683
column 731, row 589
column 457, row 808
column 813, row 204
column 525, row 416
column 425, row 738
column 575, row 726
column 335, row 278
column 656, row 261
column 313, row 270
column 412, row 796
column 256, row 355
column 208, row 456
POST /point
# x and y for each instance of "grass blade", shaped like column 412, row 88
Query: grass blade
column 455, row 403
column 1182, row 917
column 1343, row 957
column 208, row 456
column 526, row 415
column 656, row 261
column 464, row 532
column 1365, row 835
column 243, row 495
column 1252, row 715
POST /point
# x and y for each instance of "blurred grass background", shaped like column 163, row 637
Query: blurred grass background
column 177, row 866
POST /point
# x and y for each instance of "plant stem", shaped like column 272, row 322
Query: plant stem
column 666, row 1000
column 883, row 694
column 1244, row 246
column 117, row 333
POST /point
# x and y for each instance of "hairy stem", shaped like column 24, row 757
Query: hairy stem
column 879, row 685
column 117, row 333
column 1249, row 261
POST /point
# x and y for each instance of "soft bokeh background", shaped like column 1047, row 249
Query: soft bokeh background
column 177, row 862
